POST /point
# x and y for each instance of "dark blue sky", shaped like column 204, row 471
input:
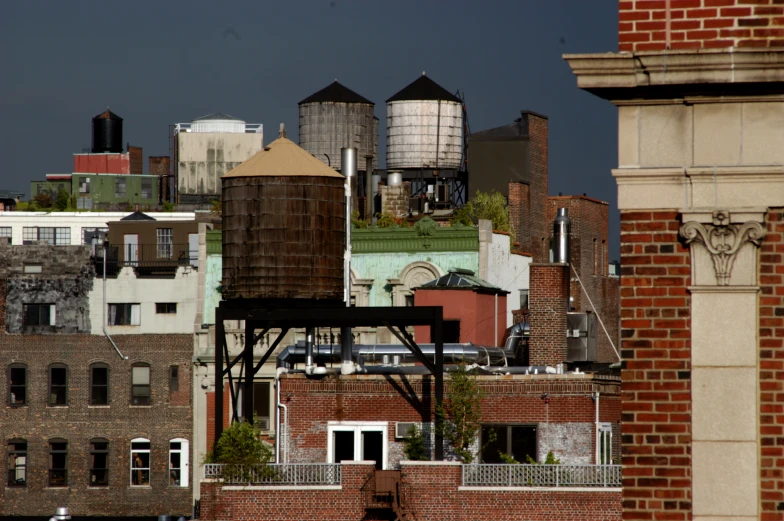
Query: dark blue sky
column 157, row 63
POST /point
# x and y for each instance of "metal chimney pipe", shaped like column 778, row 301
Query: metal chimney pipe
column 348, row 165
column 562, row 230
column 309, row 350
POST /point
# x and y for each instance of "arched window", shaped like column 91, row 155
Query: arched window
column 17, row 385
column 58, row 384
column 99, row 384
column 140, row 385
column 412, row 276
column 140, row 462
column 178, row 462
column 17, row 463
column 58, row 463
column 99, row 462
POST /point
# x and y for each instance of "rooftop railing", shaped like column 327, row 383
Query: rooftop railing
column 286, row 474
column 524, row 475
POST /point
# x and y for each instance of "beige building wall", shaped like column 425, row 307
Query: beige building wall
column 203, row 157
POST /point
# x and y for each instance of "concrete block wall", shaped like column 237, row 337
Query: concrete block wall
column 657, row 25
column 395, row 199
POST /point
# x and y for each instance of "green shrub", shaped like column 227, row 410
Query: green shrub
column 491, row 206
column 415, row 446
column 242, row 453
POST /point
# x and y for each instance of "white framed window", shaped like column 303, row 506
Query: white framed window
column 52, row 236
column 604, row 444
column 140, row 462
column 165, row 236
column 84, row 185
column 146, row 188
column 178, row 462
column 358, row 441
column 124, row 315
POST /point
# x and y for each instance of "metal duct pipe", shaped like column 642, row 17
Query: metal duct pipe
column 562, row 229
column 453, row 353
column 309, row 350
column 346, row 358
column 348, row 167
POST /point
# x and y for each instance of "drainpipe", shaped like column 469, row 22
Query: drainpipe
column 495, row 322
column 105, row 332
column 596, row 428
column 280, row 436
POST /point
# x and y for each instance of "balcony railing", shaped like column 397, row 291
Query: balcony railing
column 275, row 475
column 523, row 475
column 146, row 259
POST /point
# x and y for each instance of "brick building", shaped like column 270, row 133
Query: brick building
column 102, row 424
column 698, row 85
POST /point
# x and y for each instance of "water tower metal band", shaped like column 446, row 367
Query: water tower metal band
column 265, row 316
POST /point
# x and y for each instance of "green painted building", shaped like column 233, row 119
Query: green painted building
column 102, row 191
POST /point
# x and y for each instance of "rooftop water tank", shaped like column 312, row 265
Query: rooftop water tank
column 424, row 127
column 284, row 227
column 337, row 117
column 107, row 133
column 218, row 123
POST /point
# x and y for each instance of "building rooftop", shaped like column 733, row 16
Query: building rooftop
column 459, row 278
column 336, row 93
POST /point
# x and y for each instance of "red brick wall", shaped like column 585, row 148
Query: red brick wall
column 432, row 492
column 547, row 313
column 159, row 165
column 771, row 374
column 166, row 418
column 656, row 348
column 136, row 160
column 644, row 25
column 589, row 254
column 538, row 158
column 475, row 311
column 211, row 413
column 519, row 211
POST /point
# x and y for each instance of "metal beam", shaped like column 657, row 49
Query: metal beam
column 438, row 340
column 407, row 341
column 220, row 340
column 270, row 350
column 247, row 362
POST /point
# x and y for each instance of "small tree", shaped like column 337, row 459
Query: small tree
column 491, row 206
column 242, row 453
column 168, row 207
column 414, row 446
column 43, row 200
column 462, row 413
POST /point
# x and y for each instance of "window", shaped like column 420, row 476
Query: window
column 52, row 236
column 353, row 301
column 58, row 463
column 38, row 315
column 99, row 463
column 409, row 301
column 261, row 403
column 165, row 308
column 99, row 384
column 524, row 298
column 17, row 463
column 451, row 331
column 31, row 269
column 518, row 441
column 5, row 231
column 174, row 379
column 119, row 187
column 357, row 441
column 164, row 243
column 146, row 188
column 88, row 234
column 140, row 385
column 604, row 444
column 178, row 462
column 140, row 462
column 17, row 385
column 58, row 384
column 84, row 185
column 124, row 314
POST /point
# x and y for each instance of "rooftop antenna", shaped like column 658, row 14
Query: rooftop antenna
column 282, row 132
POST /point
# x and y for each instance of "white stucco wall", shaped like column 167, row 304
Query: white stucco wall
column 127, row 288
column 74, row 220
column 508, row 271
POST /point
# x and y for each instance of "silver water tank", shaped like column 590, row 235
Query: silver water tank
column 394, row 179
column 562, row 229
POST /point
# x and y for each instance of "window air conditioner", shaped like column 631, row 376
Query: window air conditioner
column 402, row 428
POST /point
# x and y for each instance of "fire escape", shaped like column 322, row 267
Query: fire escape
column 385, row 490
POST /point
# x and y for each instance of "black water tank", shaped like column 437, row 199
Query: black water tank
column 107, row 133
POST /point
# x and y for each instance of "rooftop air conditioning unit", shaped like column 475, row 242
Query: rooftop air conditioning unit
column 402, row 429
column 581, row 337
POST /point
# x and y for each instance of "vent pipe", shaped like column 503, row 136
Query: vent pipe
column 562, row 230
column 348, row 166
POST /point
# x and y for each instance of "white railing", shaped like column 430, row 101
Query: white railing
column 250, row 128
column 281, row 475
column 523, row 475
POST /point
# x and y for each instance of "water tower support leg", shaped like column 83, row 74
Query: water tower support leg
column 247, row 394
column 220, row 341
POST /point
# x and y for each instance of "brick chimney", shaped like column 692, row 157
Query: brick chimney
column 547, row 302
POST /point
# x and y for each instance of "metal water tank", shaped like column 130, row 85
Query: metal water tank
column 336, row 117
column 424, row 127
column 218, row 122
column 394, row 179
column 107, row 133
column 284, row 227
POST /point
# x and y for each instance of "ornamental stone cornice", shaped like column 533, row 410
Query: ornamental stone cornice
column 424, row 238
column 724, row 244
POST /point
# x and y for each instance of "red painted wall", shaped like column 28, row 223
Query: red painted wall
column 102, row 163
column 474, row 310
